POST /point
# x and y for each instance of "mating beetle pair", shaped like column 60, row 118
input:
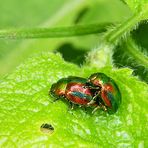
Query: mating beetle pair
column 98, row 91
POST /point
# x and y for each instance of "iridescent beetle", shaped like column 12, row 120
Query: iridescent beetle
column 109, row 96
column 73, row 89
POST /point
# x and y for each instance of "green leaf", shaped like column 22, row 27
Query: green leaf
column 25, row 105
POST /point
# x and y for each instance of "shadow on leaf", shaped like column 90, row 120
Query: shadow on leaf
column 72, row 54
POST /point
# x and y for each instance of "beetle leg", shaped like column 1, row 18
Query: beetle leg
column 91, row 102
column 85, row 109
column 98, row 107
column 96, row 95
column 80, row 106
column 71, row 106
column 104, row 107
column 63, row 96
column 90, row 87
column 56, row 99
column 93, row 99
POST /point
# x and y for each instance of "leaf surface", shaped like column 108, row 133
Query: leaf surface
column 25, row 105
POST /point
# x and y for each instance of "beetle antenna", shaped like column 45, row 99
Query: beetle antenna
column 91, row 87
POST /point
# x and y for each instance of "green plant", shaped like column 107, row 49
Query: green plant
column 25, row 103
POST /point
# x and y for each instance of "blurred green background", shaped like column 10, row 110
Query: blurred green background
column 57, row 13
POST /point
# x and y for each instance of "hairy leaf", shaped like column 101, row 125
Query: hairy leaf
column 25, row 105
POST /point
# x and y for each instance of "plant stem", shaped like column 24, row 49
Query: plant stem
column 113, row 36
column 54, row 32
column 110, row 40
column 133, row 51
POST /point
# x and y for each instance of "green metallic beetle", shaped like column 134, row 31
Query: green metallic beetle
column 99, row 91
column 109, row 96
column 73, row 89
